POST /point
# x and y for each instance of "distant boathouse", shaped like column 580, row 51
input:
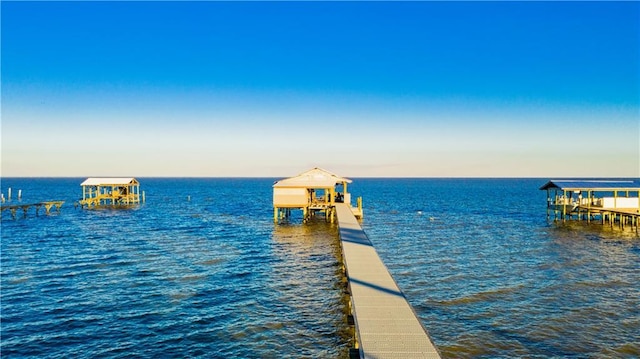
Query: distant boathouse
column 609, row 201
column 313, row 191
column 97, row 192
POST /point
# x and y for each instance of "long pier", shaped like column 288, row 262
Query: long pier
column 386, row 324
column 25, row 207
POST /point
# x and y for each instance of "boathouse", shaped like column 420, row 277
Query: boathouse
column 385, row 324
column 614, row 200
column 313, row 191
column 110, row 192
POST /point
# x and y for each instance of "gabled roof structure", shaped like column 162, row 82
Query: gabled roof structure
column 592, row 185
column 100, row 181
column 314, row 178
column 315, row 190
column 114, row 191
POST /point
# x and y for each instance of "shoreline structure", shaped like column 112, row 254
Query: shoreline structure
column 611, row 202
column 385, row 324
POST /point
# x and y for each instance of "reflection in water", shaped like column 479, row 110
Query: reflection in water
column 309, row 265
column 215, row 278
column 199, row 278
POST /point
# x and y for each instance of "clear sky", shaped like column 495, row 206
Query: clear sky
column 426, row 89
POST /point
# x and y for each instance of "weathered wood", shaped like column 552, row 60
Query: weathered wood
column 26, row 206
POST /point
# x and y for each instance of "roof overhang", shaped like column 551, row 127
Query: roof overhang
column 314, row 178
column 109, row 181
column 592, row 185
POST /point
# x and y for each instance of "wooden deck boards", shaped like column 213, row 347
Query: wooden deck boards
column 386, row 325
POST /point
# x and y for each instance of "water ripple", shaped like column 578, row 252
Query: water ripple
column 213, row 277
column 491, row 278
column 174, row 278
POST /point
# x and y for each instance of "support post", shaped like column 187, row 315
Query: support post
column 564, row 205
column 344, row 189
column 548, row 203
column 588, row 206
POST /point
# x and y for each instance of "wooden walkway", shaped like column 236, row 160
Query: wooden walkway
column 25, row 207
column 386, row 325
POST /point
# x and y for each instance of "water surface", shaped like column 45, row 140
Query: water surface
column 213, row 277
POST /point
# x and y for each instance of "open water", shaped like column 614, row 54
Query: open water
column 213, row 277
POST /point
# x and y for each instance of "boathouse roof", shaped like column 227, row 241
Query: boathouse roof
column 314, row 178
column 100, row 181
column 592, row 185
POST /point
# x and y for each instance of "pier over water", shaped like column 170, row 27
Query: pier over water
column 25, row 207
column 386, row 325
column 609, row 201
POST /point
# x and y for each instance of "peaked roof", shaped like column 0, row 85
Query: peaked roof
column 314, row 178
column 95, row 181
column 593, row 185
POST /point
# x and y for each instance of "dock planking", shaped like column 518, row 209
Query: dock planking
column 386, row 325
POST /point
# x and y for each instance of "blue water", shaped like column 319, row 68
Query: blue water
column 214, row 277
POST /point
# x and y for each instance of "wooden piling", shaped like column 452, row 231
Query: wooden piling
column 620, row 210
column 48, row 205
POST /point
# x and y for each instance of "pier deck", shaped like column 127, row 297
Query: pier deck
column 26, row 206
column 386, row 325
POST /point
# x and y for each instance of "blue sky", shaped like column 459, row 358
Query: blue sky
column 427, row 89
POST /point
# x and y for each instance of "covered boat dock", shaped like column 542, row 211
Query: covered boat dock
column 611, row 201
column 118, row 191
column 313, row 191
